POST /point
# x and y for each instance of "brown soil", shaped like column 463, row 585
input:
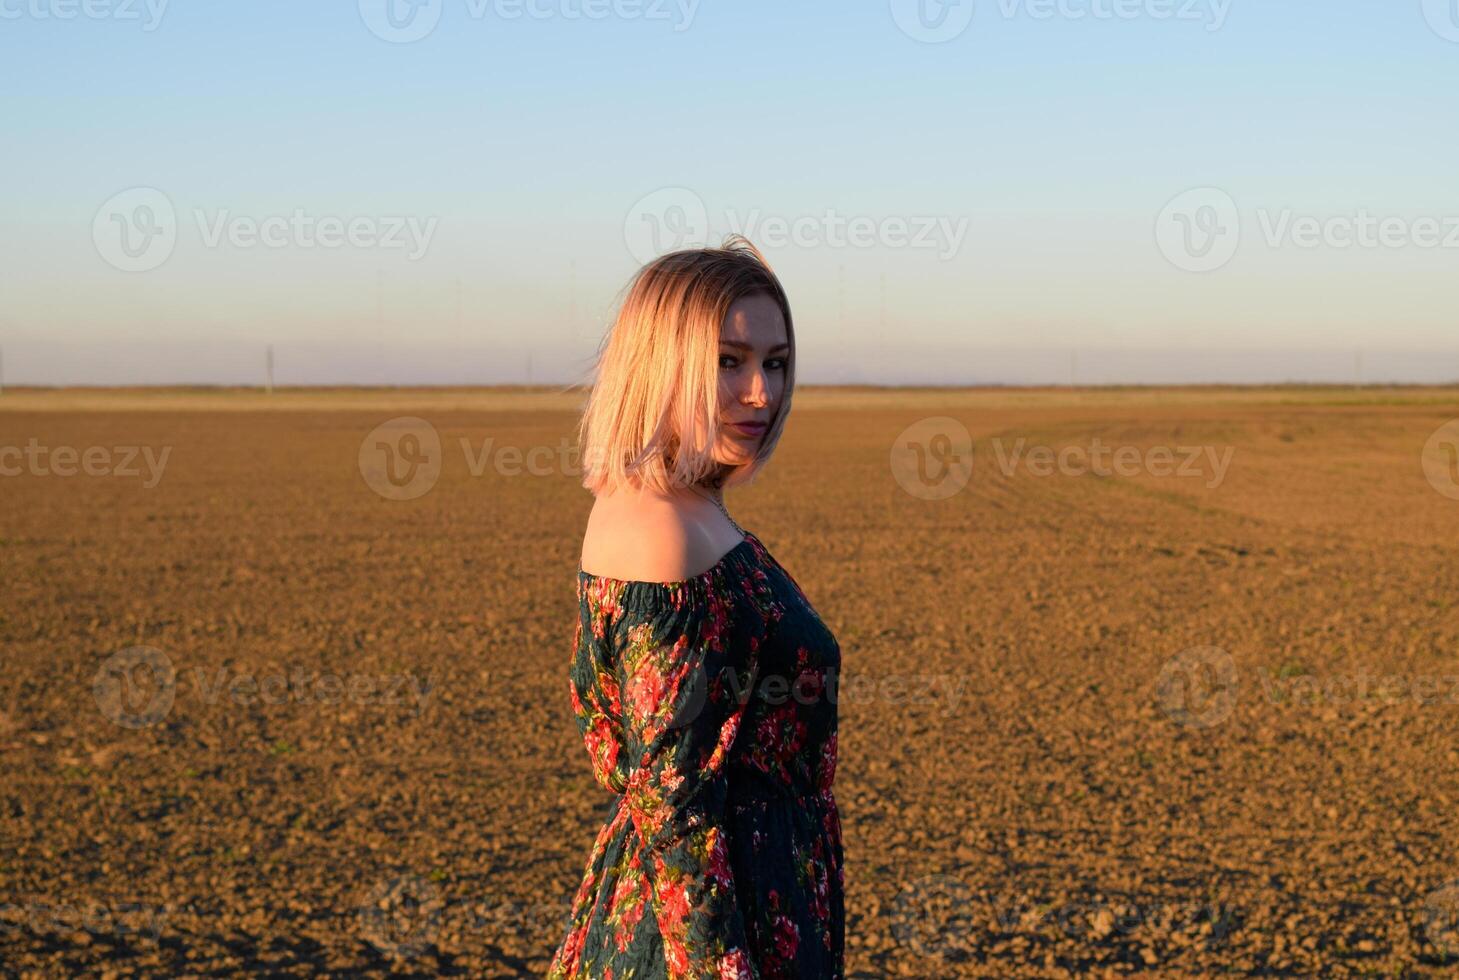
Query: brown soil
column 351, row 748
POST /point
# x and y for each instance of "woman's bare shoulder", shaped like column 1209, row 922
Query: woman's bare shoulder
column 645, row 536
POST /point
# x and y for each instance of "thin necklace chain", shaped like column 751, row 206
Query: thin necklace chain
column 720, row 505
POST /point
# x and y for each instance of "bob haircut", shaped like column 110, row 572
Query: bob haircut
column 652, row 417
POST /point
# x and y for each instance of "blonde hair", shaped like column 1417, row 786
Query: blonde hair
column 652, row 417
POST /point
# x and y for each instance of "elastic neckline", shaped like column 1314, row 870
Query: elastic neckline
column 744, row 543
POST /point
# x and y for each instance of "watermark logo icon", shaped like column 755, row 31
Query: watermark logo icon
column 933, row 458
column 135, row 230
column 400, row 21
column 933, row 21
column 400, row 459
column 1441, row 918
column 1441, row 459
column 1443, row 18
column 401, row 917
column 689, row 699
column 135, row 687
column 1199, row 230
column 1197, row 687
column 665, row 220
column 924, row 912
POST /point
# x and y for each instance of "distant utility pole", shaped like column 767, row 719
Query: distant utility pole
column 841, row 299
column 461, row 359
column 458, row 312
column 572, row 295
column 268, row 370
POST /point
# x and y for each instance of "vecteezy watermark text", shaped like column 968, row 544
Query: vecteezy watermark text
column 833, row 230
column 402, row 458
column 119, row 461
column 1295, row 686
column 406, row 21
column 1201, row 686
column 815, row 686
column 149, row 12
column 138, row 686
column 938, row 21
column 1200, row 230
column 933, row 458
column 834, row 686
column 137, row 229
column 1126, row 461
column 306, row 686
column 673, row 218
column 403, row 916
column 941, row 916
column 119, row 920
column 302, row 230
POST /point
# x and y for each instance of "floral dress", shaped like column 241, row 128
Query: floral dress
column 708, row 707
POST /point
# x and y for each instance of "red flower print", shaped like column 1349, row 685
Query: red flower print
column 826, row 769
column 602, row 747
column 645, row 694
column 674, row 905
column 609, row 685
column 719, row 868
column 735, row 965
column 677, row 958
column 787, row 938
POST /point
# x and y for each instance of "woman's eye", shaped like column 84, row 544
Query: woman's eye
column 773, row 364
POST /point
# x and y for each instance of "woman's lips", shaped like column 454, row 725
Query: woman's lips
column 749, row 429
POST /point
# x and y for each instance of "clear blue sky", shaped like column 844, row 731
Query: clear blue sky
column 526, row 143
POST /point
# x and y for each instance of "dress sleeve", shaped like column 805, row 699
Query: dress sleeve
column 685, row 659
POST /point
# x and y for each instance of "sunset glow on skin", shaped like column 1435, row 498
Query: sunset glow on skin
column 753, row 358
column 700, row 351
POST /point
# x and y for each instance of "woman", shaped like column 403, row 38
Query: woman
column 703, row 682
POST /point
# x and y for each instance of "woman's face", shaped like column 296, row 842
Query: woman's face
column 753, row 358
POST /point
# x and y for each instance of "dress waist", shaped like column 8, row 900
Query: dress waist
column 751, row 788
column 747, row 788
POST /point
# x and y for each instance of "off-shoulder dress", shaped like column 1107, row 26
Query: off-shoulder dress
column 708, row 708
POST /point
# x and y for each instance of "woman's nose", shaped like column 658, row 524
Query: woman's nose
column 758, row 391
